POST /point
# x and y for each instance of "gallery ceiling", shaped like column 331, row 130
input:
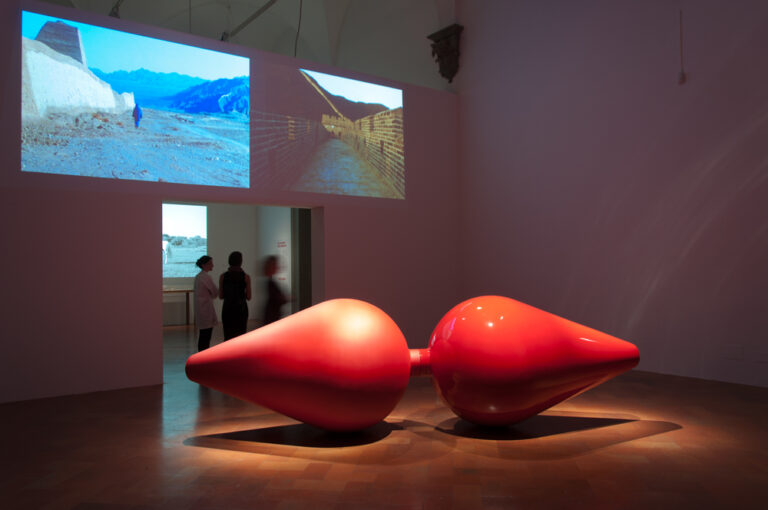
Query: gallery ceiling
column 386, row 39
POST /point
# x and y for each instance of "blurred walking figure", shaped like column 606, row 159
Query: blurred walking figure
column 205, row 293
column 275, row 297
column 137, row 114
column 235, row 290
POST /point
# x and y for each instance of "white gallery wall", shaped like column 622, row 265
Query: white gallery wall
column 571, row 171
column 85, row 312
column 597, row 187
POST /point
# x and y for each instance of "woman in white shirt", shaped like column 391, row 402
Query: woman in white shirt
column 205, row 292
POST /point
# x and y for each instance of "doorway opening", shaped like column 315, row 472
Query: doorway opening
column 191, row 230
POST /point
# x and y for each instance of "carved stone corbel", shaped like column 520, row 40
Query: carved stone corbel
column 445, row 49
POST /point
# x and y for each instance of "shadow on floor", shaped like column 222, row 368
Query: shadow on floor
column 301, row 434
column 545, row 437
column 534, row 427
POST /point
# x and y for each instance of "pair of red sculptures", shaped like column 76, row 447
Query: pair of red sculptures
column 344, row 364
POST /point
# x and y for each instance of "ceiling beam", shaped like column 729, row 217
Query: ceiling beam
column 228, row 35
column 115, row 11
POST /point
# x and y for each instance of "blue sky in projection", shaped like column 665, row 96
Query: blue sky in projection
column 358, row 91
column 185, row 220
column 152, row 54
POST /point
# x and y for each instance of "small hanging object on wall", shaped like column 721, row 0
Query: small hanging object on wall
column 682, row 77
column 445, row 50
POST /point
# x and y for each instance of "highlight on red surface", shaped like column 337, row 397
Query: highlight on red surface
column 497, row 361
column 340, row 365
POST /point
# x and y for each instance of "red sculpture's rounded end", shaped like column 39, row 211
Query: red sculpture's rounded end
column 340, row 365
column 497, row 361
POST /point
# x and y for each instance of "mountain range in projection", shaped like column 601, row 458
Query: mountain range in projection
column 181, row 92
column 296, row 94
column 226, row 95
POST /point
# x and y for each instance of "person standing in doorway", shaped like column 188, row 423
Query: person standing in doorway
column 275, row 297
column 205, row 293
column 235, row 290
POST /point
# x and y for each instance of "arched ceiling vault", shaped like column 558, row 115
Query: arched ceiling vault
column 385, row 38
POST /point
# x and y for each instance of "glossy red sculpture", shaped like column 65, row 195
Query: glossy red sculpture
column 340, row 365
column 497, row 361
column 344, row 364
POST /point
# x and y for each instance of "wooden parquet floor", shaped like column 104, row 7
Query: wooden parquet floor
column 642, row 440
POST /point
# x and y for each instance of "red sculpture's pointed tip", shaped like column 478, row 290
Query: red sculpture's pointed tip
column 597, row 348
column 498, row 361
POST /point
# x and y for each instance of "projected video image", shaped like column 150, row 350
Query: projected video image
column 103, row 103
column 328, row 134
column 185, row 239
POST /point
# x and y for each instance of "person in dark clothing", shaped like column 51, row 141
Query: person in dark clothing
column 235, row 290
column 137, row 114
column 275, row 297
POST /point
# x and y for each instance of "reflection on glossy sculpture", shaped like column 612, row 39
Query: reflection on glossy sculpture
column 344, row 364
column 497, row 361
column 341, row 365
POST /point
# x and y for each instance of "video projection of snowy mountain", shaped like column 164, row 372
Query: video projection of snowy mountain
column 104, row 103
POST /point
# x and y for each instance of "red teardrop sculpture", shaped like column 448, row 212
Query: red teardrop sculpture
column 341, row 365
column 497, row 361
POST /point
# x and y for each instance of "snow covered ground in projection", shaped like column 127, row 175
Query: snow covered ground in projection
column 167, row 146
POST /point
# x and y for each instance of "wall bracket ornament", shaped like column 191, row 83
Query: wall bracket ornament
column 445, row 50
